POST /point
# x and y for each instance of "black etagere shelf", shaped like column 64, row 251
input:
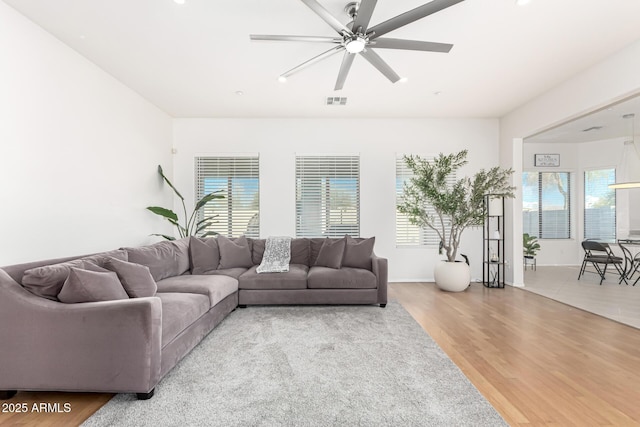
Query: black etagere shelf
column 493, row 265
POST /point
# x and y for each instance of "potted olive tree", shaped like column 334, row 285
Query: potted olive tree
column 448, row 207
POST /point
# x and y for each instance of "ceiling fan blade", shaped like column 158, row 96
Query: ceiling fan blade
column 410, row 16
column 326, row 16
column 347, row 60
column 375, row 60
column 387, row 43
column 278, row 38
column 313, row 60
column 365, row 10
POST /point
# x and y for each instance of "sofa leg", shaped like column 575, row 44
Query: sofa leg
column 383, row 305
column 145, row 396
column 242, row 306
column 7, row 394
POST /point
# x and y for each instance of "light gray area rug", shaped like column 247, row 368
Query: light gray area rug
column 310, row 366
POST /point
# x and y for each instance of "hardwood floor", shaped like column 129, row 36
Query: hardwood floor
column 537, row 361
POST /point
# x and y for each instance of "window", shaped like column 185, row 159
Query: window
column 408, row 234
column 599, row 204
column 237, row 177
column 547, row 204
column 327, row 196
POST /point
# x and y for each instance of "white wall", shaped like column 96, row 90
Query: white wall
column 78, row 151
column 377, row 141
column 608, row 81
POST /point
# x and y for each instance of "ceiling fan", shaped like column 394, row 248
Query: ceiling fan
column 357, row 37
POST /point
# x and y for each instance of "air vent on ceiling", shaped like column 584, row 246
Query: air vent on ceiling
column 336, row 100
column 592, row 128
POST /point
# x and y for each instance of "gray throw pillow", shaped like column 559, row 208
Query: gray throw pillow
column 234, row 254
column 357, row 254
column 164, row 259
column 46, row 281
column 300, row 251
column 136, row 279
column 205, row 255
column 331, row 253
column 91, row 286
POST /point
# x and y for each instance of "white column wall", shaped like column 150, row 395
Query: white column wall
column 78, row 151
column 377, row 141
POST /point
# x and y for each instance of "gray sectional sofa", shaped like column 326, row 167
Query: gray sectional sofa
column 118, row 321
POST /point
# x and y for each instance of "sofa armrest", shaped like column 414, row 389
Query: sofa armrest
column 110, row 346
column 380, row 267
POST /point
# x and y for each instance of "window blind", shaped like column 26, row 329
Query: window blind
column 408, row 234
column 547, row 204
column 238, row 178
column 599, row 204
column 327, row 196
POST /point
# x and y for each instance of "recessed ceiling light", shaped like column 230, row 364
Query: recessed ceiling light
column 282, row 79
column 522, row 2
column 179, row 1
column 82, row 37
column 404, row 80
column 239, row 93
column 436, row 93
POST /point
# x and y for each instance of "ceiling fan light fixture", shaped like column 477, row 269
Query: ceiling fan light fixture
column 355, row 44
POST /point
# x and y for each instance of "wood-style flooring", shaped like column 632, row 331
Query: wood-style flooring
column 537, row 361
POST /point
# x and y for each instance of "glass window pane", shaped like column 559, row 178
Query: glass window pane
column 327, row 196
column 599, row 204
column 238, row 180
column 546, row 201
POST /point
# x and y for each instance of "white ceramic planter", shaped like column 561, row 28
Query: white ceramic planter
column 452, row 276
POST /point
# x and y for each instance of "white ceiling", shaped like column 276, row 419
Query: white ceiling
column 191, row 59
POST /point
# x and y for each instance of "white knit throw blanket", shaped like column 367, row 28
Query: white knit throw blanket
column 277, row 254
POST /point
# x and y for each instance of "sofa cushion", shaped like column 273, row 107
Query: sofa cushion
column 179, row 311
column 344, row 278
column 234, row 253
column 46, row 281
column 216, row 287
column 331, row 253
column 295, row 278
column 205, row 254
column 136, row 279
column 300, row 251
column 315, row 244
column 164, row 259
column 257, row 250
column 357, row 253
column 91, row 286
column 231, row 272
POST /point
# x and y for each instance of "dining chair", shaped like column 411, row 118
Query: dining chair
column 601, row 257
column 631, row 264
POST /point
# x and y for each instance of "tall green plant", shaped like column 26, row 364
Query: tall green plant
column 191, row 226
column 456, row 205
